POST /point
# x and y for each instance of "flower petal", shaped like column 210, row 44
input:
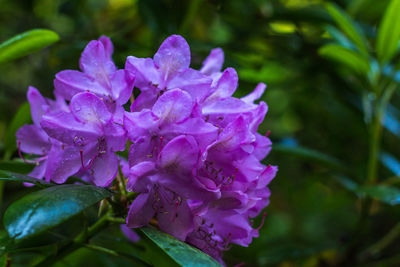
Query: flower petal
column 88, row 108
column 108, row 46
column 256, row 94
column 173, row 106
column 33, row 140
column 141, row 210
column 121, row 86
column 180, row 154
column 214, row 61
column 38, row 104
column 63, row 163
column 71, row 82
column 96, row 61
column 104, row 168
column 226, row 85
column 144, row 70
column 193, row 82
column 64, row 127
column 138, row 124
column 173, row 56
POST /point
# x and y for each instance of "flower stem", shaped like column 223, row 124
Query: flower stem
column 77, row 242
column 385, row 241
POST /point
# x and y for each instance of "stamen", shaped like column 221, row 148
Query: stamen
column 175, row 211
column 20, row 155
column 228, row 239
column 262, row 222
column 161, row 142
column 83, row 165
column 268, row 133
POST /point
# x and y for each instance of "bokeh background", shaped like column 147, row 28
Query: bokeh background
column 315, row 107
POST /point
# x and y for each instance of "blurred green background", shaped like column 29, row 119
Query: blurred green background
column 316, row 116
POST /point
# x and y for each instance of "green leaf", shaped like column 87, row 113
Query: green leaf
column 389, row 32
column 182, row 253
column 310, row 154
column 23, row 116
column 4, row 260
column 349, row 28
column 16, row 177
column 16, row 166
column 384, row 193
column 26, row 43
column 346, row 56
column 41, row 210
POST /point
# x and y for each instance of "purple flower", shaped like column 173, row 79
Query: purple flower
column 169, row 69
column 195, row 157
column 88, row 138
column 195, row 153
column 32, row 139
column 99, row 76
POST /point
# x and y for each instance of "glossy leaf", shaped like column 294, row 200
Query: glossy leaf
column 346, row 56
column 387, row 41
column 16, row 177
column 387, row 194
column 26, row 43
column 348, row 27
column 44, row 209
column 182, row 253
column 23, row 116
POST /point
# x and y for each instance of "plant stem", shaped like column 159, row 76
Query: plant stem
column 385, row 241
column 375, row 140
column 77, row 242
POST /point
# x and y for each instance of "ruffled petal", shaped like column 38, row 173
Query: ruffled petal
column 121, row 86
column 89, row 109
column 180, row 154
column 145, row 72
column 173, row 56
column 108, row 46
column 104, row 168
column 193, row 82
column 64, row 127
column 138, row 124
column 38, row 104
column 96, row 61
column 65, row 162
column 214, row 61
column 33, row 140
column 226, row 85
column 173, row 106
column 141, row 210
column 256, row 94
column 71, row 82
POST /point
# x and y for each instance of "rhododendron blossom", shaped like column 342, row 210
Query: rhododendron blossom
column 194, row 155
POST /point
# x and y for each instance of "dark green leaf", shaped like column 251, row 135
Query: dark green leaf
column 384, row 193
column 348, row 27
column 16, row 166
column 310, row 154
column 23, row 116
column 26, row 43
column 16, row 177
column 389, row 32
column 346, row 56
column 182, row 253
column 41, row 210
column 3, row 260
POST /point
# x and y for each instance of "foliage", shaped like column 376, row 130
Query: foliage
column 332, row 74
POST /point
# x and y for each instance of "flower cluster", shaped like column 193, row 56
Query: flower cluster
column 195, row 152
